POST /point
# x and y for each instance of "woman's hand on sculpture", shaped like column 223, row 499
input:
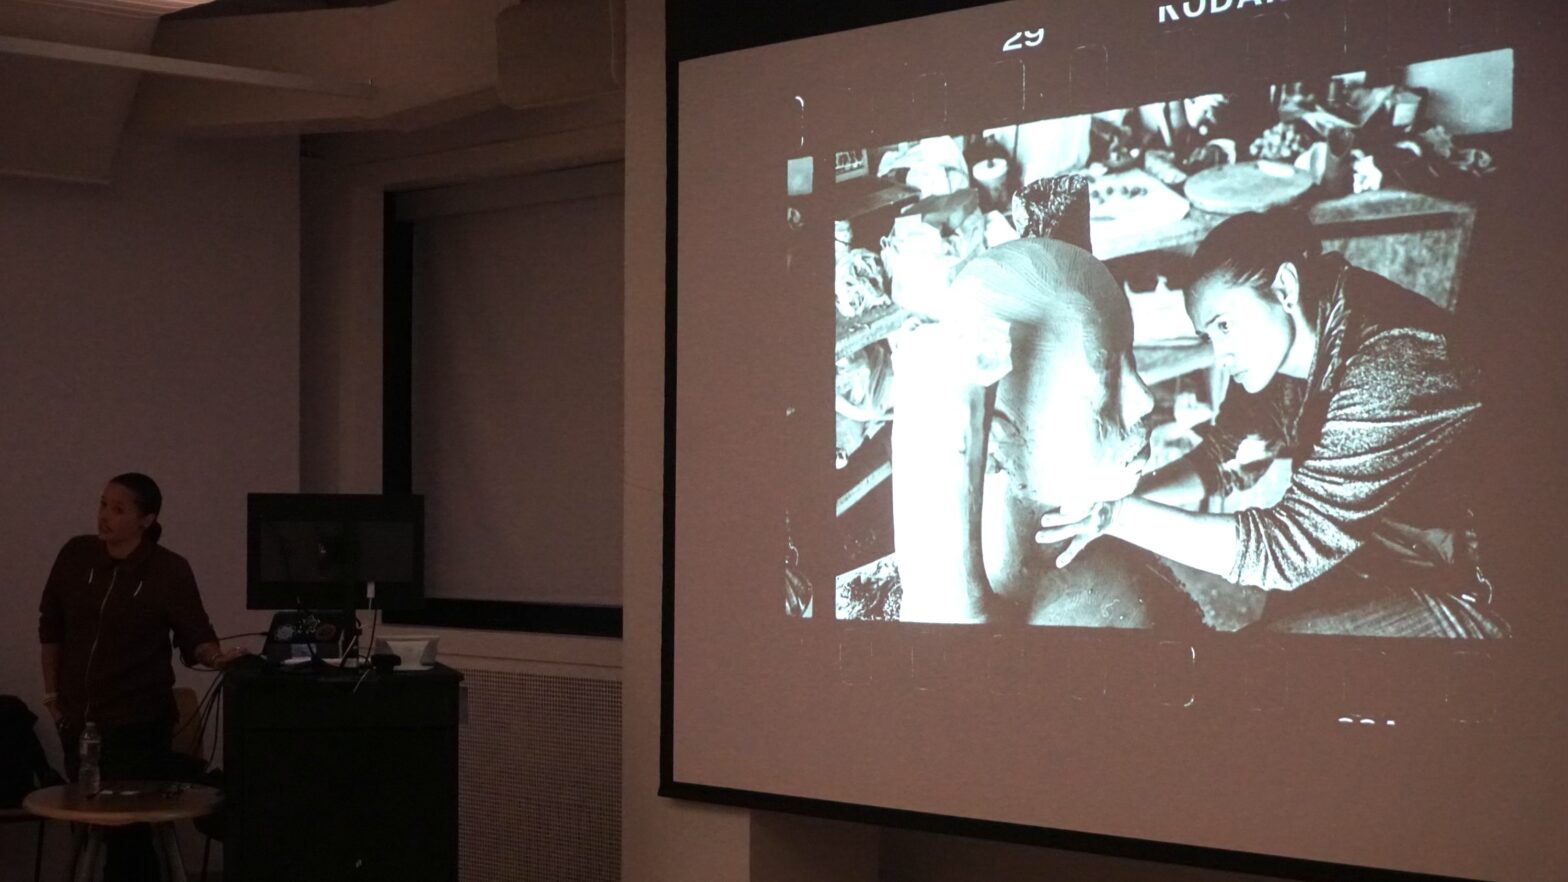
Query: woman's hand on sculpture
column 1082, row 527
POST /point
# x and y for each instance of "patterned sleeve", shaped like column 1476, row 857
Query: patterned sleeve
column 1241, row 442
column 1400, row 403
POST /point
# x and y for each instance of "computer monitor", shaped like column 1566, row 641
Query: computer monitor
column 320, row 551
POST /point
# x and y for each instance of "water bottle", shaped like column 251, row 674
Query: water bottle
column 88, row 774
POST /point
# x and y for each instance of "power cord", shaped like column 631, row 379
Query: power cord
column 375, row 617
column 355, row 648
column 244, row 634
column 202, row 707
column 212, row 755
column 214, row 710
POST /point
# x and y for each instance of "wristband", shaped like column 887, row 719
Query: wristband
column 51, row 698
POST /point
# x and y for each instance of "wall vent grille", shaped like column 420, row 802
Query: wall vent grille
column 540, row 791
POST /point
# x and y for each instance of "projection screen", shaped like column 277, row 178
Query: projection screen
column 1172, row 472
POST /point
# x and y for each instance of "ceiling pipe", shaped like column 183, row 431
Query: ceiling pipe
column 179, row 67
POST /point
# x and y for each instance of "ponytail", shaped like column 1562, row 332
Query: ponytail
column 1248, row 249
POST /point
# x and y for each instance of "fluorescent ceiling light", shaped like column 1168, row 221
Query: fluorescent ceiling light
column 126, row 7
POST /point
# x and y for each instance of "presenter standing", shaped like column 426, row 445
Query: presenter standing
column 108, row 611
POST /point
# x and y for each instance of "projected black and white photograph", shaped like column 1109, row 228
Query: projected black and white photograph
column 1192, row 365
column 1191, row 475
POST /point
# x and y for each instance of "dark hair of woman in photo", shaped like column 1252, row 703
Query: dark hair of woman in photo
column 1361, row 387
column 115, row 603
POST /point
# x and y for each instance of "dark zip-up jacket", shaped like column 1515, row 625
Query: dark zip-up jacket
column 113, row 620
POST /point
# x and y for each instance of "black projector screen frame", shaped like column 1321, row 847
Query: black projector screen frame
column 794, row 680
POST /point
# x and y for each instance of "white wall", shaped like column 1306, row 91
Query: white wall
column 149, row 325
column 665, row 840
column 661, row 839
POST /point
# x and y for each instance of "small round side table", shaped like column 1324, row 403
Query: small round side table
column 158, row 803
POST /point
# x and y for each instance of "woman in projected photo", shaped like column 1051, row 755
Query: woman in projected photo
column 1359, row 382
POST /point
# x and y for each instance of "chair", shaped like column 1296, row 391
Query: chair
column 23, row 768
column 188, row 744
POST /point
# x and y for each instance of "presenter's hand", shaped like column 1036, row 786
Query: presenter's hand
column 1079, row 526
column 228, row 656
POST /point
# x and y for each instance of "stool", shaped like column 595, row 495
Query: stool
column 120, row 803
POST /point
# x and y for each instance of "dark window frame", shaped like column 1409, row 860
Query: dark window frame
column 397, row 462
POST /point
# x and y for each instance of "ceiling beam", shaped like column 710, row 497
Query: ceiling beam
column 180, row 67
column 152, row 8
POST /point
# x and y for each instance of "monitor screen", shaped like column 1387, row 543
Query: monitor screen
column 322, row 551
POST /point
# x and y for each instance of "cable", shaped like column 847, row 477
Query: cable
column 212, row 756
column 205, row 710
column 356, row 646
column 206, row 717
column 375, row 618
column 352, row 646
column 205, row 701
